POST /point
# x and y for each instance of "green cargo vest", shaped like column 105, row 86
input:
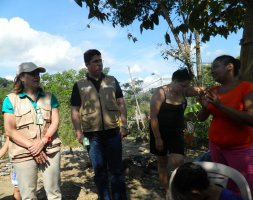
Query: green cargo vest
column 25, row 115
column 99, row 110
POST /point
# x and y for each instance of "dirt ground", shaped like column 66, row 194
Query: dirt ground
column 77, row 175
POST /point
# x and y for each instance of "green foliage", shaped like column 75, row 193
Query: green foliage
column 200, row 128
column 213, row 18
column 190, row 22
column 207, row 79
column 61, row 84
column 134, row 94
column 209, row 17
column 6, row 84
column 131, row 37
column 5, row 88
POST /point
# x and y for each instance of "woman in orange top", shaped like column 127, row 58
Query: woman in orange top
column 231, row 106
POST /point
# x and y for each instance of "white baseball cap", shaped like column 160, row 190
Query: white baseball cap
column 29, row 67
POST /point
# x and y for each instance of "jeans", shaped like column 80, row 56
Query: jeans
column 106, row 159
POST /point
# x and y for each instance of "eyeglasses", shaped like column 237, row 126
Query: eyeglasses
column 98, row 61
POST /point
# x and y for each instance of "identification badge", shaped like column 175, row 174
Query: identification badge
column 39, row 116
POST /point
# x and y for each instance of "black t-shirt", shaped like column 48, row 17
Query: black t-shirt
column 75, row 96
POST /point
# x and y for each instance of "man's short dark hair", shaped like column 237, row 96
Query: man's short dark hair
column 88, row 55
column 181, row 74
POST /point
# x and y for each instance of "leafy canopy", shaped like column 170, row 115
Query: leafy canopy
column 209, row 17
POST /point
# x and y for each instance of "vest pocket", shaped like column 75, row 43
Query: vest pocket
column 112, row 107
column 18, row 153
column 88, row 118
column 46, row 113
column 54, row 145
column 113, row 111
column 23, row 118
column 87, row 111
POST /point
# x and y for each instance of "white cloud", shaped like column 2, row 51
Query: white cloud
column 215, row 53
column 135, row 68
column 143, row 61
column 151, row 82
column 22, row 43
column 11, row 78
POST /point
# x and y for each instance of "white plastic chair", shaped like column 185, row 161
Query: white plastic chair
column 219, row 174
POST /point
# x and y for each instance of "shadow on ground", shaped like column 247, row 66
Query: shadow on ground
column 69, row 191
column 7, row 197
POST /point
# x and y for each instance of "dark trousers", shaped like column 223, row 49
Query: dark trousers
column 106, row 158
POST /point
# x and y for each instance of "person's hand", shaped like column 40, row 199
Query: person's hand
column 79, row 136
column 123, row 131
column 36, row 147
column 202, row 98
column 203, row 101
column 212, row 97
column 159, row 144
column 41, row 158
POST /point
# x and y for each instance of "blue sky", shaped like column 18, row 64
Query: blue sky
column 53, row 34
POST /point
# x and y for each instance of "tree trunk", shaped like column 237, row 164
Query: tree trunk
column 246, row 57
column 198, row 56
column 183, row 44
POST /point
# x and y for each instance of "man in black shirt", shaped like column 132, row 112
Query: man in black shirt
column 76, row 99
column 99, row 113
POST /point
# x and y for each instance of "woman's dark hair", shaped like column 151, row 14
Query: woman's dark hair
column 18, row 85
column 225, row 60
column 88, row 55
column 188, row 177
column 181, row 74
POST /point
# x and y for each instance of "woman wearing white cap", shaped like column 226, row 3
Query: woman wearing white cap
column 31, row 121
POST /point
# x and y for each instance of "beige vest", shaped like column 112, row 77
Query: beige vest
column 99, row 111
column 25, row 115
